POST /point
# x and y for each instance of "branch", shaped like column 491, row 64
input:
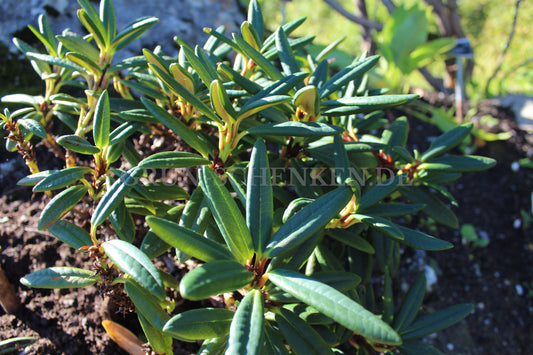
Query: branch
column 507, row 45
column 359, row 20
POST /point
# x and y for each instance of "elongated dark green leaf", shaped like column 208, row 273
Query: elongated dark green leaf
column 339, row 280
column 114, row 196
column 378, row 192
column 274, row 341
column 349, row 238
column 85, row 62
column 247, row 327
column 459, row 163
column 258, row 58
column 188, row 241
column 383, row 225
column 61, row 178
column 260, row 201
column 93, row 25
column 302, row 338
column 240, row 80
column 308, row 221
column 289, row 27
column 433, row 322
column 229, row 219
column 295, row 44
column 107, row 15
column 286, row 56
column 296, row 129
column 76, row 43
column 203, row 323
column 379, row 101
column 77, row 144
column 178, row 127
column 392, row 209
column 434, row 207
column 308, row 314
column 60, row 277
column 254, row 106
column 102, row 121
column 221, row 102
column 418, row 240
column 168, row 160
column 135, row 263
column 346, row 75
column 33, row 179
column 33, row 126
column 182, row 91
column 45, row 34
column 132, row 31
column 61, row 204
column 335, row 305
column 123, row 223
column 418, row 347
column 60, row 62
column 70, row 234
column 255, row 17
column 447, row 141
column 146, row 304
column 411, row 304
column 165, row 191
column 159, row 342
column 214, row 278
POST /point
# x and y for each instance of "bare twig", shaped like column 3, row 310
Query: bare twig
column 389, row 5
column 359, row 20
column 368, row 44
column 507, row 45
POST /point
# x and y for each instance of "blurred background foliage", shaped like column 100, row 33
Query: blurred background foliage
column 487, row 23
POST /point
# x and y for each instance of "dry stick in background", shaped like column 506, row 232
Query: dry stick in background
column 8, row 297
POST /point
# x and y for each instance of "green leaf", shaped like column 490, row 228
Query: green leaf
column 335, row 305
column 289, row 27
column 85, row 62
column 347, row 237
column 302, row 338
column 132, row 31
column 372, row 102
column 417, row 347
column 243, row 82
column 60, row 277
column 194, row 140
column 433, row 322
column 188, row 241
column 159, row 342
column 346, row 75
column 257, row 105
column 286, row 56
column 165, row 191
column 33, row 126
column 61, row 178
column 202, row 323
column 33, row 179
column 296, row 129
column 107, row 15
column 70, row 234
column 260, row 201
column 123, row 223
column 459, row 163
column 77, row 144
column 221, row 102
column 214, row 278
column 309, row 220
column 434, row 207
column 136, row 264
column 146, row 304
column 447, row 141
column 411, row 304
column 255, row 17
column 418, row 240
column 102, row 121
column 169, row 160
column 78, row 44
column 247, row 327
column 61, row 204
column 306, row 99
column 60, row 62
column 229, row 219
column 258, row 58
column 392, row 209
column 378, row 192
column 382, row 225
column 114, row 196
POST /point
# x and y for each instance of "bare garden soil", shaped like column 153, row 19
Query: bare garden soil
column 496, row 278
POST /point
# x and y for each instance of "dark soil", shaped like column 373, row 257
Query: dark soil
column 496, row 279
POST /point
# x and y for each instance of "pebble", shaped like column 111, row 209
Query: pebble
column 519, row 290
column 515, row 166
column 450, row 346
column 431, row 277
column 517, row 223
